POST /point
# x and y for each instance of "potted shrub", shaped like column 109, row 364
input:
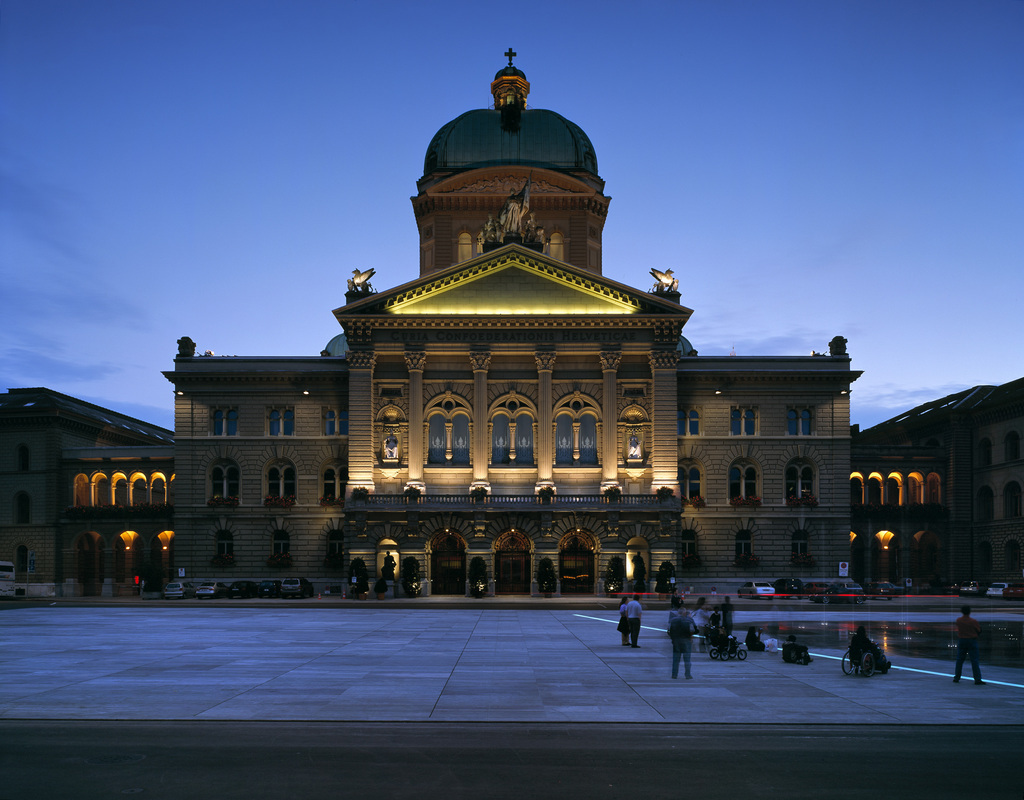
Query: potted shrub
column 664, row 494
column 614, row 576
column 412, row 494
column 358, row 578
column 545, row 493
column 411, row 576
column 547, row 580
column 478, row 577
column 613, row 494
column 662, row 583
column 478, row 494
column 360, row 494
column 380, row 588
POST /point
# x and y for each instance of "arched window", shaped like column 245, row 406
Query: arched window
column 281, row 422
column 465, row 246
column 224, row 481
column 225, row 543
column 24, row 461
column 1011, row 500
column 120, row 486
column 689, row 422
column 893, row 490
column 856, row 490
column 335, row 539
column 225, row 422
column 500, row 440
column 101, row 490
column 140, row 492
column 331, row 484
column 743, row 422
column 798, row 421
column 556, row 246
column 282, row 543
column 744, row 543
column 460, row 439
column 690, row 482
column 524, row 439
column 563, row 439
column 742, row 481
column 1011, row 446
column 986, row 504
column 588, row 439
column 158, row 493
column 915, row 489
column 799, row 543
column 934, row 488
column 22, row 508
column 437, row 440
column 985, row 453
column 799, row 482
column 875, row 490
column 281, row 480
column 83, row 497
column 1012, row 556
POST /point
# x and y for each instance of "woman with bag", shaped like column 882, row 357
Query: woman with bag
column 623, row 626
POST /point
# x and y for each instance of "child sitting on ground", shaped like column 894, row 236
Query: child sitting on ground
column 794, row 653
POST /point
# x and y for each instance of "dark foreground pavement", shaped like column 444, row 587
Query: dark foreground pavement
column 175, row 760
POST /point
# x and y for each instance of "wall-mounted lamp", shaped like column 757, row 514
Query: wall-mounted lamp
column 718, row 391
column 305, row 392
column 180, row 393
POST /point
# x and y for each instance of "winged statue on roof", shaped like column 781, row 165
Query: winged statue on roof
column 665, row 281
column 360, row 281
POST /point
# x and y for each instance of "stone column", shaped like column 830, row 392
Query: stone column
column 609, row 439
column 664, row 456
column 415, row 362
column 360, row 419
column 480, row 363
column 545, row 454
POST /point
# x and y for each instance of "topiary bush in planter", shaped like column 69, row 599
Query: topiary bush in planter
column 411, row 576
column 662, row 583
column 614, row 575
column 478, row 577
column 547, row 580
column 358, row 578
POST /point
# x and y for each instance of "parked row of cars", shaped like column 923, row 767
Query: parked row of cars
column 1007, row 591
column 288, row 587
column 816, row 592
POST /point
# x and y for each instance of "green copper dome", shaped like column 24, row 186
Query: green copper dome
column 543, row 139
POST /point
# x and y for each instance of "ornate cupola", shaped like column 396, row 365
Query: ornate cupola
column 510, row 89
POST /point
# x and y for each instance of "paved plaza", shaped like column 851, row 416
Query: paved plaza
column 138, row 661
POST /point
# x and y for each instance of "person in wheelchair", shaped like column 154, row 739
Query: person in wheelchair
column 794, row 653
column 861, row 644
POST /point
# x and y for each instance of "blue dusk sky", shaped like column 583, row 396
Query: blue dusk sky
column 217, row 169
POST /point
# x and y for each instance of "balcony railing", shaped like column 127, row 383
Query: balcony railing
column 512, row 500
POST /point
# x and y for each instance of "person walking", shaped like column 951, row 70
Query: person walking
column 623, row 626
column 701, row 618
column 967, row 630
column 727, row 609
column 634, row 611
column 681, row 630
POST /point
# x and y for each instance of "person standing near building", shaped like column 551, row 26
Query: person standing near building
column 701, row 618
column 681, row 630
column 623, row 626
column 967, row 630
column 727, row 609
column 634, row 611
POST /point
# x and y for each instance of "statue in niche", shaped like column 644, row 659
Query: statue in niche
column 391, row 446
column 514, row 210
column 633, row 450
column 387, row 571
column 639, row 569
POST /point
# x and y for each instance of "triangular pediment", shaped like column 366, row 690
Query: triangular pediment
column 513, row 281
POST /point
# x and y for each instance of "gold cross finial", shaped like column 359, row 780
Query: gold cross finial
column 510, row 55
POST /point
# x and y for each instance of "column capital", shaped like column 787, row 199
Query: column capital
column 610, row 360
column 480, row 361
column 415, row 360
column 545, row 360
column 361, row 359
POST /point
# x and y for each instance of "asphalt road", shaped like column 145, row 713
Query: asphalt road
column 86, row 760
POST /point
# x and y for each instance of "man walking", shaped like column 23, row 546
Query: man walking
column 633, row 613
column 681, row 630
column 968, row 630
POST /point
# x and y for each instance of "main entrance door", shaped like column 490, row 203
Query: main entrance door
column 576, row 563
column 447, row 565
column 512, row 564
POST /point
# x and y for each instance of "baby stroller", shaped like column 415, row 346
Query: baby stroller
column 866, row 661
column 723, row 646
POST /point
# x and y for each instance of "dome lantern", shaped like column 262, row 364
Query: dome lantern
column 510, row 90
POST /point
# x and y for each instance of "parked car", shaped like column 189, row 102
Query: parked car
column 813, row 591
column 883, row 589
column 969, row 588
column 178, row 590
column 754, row 589
column 1015, row 591
column 269, row 588
column 996, row 589
column 211, row 589
column 843, row 593
column 242, row 589
column 296, row 587
column 789, row 587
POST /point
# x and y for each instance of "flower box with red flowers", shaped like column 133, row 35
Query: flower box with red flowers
column 277, row 501
column 222, row 502
column 745, row 502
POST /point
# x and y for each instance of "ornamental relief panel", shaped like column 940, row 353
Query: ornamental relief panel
column 523, row 391
column 506, row 185
column 643, row 404
column 563, row 391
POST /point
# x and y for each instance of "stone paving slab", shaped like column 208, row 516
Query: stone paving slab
column 434, row 665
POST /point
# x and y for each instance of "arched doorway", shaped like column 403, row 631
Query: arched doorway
column 89, row 553
column 447, row 564
column 885, row 557
column 512, row 563
column 576, row 563
column 161, row 553
column 925, row 558
column 857, row 566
